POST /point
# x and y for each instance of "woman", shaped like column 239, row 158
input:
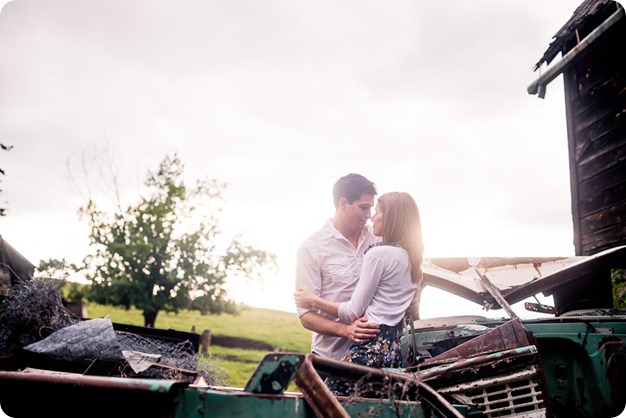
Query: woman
column 390, row 280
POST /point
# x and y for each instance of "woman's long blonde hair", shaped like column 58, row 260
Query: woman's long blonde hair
column 402, row 226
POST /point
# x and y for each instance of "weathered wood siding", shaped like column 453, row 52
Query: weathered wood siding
column 595, row 95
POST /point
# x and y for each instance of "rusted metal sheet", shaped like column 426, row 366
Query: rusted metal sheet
column 395, row 384
column 470, row 369
column 509, row 335
column 506, row 383
column 316, row 393
column 499, row 370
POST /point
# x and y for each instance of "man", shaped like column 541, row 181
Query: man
column 329, row 263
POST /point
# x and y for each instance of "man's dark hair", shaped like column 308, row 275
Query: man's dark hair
column 352, row 186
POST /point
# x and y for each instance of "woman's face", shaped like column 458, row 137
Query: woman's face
column 377, row 221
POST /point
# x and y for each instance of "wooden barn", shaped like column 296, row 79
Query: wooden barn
column 592, row 45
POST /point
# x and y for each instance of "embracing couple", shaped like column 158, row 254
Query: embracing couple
column 356, row 282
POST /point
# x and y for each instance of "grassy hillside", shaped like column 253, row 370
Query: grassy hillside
column 281, row 330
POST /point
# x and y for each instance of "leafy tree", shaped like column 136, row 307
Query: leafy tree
column 4, row 148
column 164, row 252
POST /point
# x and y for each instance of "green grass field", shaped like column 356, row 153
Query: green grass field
column 282, row 330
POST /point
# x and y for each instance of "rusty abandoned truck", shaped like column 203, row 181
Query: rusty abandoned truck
column 564, row 359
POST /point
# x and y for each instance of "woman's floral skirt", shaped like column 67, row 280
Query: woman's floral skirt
column 381, row 351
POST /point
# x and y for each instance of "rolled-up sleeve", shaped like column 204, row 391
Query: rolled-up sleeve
column 308, row 272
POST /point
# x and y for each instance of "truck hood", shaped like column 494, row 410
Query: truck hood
column 578, row 282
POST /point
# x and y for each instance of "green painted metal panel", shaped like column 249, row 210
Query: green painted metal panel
column 584, row 364
column 217, row 404
column 220, row 404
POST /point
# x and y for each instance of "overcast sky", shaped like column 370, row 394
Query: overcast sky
column 279, row 99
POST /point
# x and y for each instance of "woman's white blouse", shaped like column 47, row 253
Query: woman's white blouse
column 384, row 290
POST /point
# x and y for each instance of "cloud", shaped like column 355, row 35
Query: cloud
column 278, row 99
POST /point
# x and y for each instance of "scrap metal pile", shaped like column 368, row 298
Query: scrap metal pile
column 37, row 331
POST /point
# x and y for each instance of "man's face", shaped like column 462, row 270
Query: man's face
column 357, row 213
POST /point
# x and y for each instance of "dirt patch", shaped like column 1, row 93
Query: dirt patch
column 237, row 342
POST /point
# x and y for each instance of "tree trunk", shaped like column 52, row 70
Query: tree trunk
column 149, row 318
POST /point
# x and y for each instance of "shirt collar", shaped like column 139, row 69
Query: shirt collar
column 330, row 231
